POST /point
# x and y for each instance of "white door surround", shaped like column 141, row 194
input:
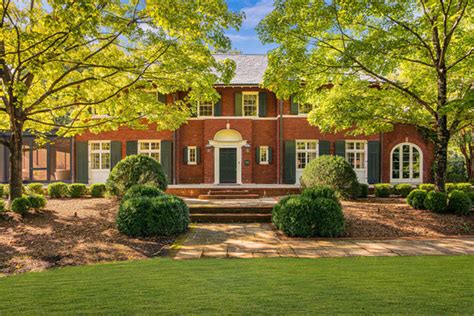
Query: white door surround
column 99, row 161
column 227, row 138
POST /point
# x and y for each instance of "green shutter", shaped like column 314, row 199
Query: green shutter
column 217, row 108
column 167, row 159
column 270, row 154
column 262, row 104
column 238, row 104
column 185, row 155
column 373, row 162
column 324, row 147
column 131, row 147
column 82, row 162
column 293, row 107
column 115, row 153
column 161, row 97
column 198, row 155
column 257, row 155
column 341, row 148
column 290, row 162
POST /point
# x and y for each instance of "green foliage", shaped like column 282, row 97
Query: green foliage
column 2, row 190
column 21, row 205
column 57, row 190
column 416, row 199
column 471, row 196
column 98, row 190
column 436, row 202
column 382, row 190
column 77, row 190
column 332, row 171
column 456, row 170
column 2, row 205
column 135, row 169
column 277, row 211
column 427, row 187
column 142, row 190
column 37, row 201
column 466, row 187
column 363, row 190
column 403, row 189
column 322, row 191
column 36, row 188
column 158, row 216
column 459, row 203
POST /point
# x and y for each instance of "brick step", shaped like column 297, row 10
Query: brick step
column 231, row 209
column 227, row 197
column 228, row 192
column 231, row 218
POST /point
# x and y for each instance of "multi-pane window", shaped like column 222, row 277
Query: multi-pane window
column 100, row 155
column 304, row 108
column 192, row 155
column 406, row 163
column 355, row 154
column 263, row 155
column 205, row 109
column 306, row 150
column 249, row 103
column 150, row 148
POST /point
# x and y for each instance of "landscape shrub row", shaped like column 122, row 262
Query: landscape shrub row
column 25, row 203
column 59, row 190
column 456, row 201
column 404, row 189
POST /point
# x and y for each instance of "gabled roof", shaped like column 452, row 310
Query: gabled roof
column 249, row 69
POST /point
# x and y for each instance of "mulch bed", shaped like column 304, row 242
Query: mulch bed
column 69, row 232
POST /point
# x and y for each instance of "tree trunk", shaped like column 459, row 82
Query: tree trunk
column 441, row 155
column 16, row 145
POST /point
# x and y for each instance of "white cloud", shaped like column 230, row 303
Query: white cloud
column 254, row 14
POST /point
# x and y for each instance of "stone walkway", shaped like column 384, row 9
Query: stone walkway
column 261, row 240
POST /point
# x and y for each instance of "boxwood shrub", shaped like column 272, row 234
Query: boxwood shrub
column 464, row 186
column 35, row 188
column 470, row 194
column 21, row 205
column 416, row 199
column 450, row 187
column 333, row 171
column 2, row 206
column 158, row 216
column 57, row 190
column 135, row 169
column 382, row 190
column 97, row 190
column 363, row 190
column 436, row 202
column 321, row 191
column 403, row 189
column 76, row 190
column 37, row 201
column 427, row 187
column 277, row 210
column 459, row 202
column 140, row 190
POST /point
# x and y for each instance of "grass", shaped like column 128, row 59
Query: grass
column 415, row 285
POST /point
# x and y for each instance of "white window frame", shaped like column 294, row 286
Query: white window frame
column 192, row 162
column 267, row 152
column 244, row 93
column 206, row 104
column 149, row 151
column 306, row 150
column 356, row 151
column 400, row 167
column 101, row 153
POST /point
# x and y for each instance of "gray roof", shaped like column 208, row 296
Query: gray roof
column 249, row 69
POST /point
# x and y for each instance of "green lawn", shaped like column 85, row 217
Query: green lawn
column 428, row 285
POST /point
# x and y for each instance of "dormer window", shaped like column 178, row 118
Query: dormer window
column 205, row 109
column 249, row 103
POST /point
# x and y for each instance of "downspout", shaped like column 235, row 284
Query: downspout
column 381, row 157
column 175, row 145
column 280, row 180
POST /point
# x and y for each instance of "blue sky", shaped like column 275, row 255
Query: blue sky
column 246, row 40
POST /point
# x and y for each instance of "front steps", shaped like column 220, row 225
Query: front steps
column 230, row 214
column 228, row 194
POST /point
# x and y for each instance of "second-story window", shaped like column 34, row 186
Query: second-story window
column 205, row 109
column 250, row 103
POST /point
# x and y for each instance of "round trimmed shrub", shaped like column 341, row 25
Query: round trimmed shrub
column 57, row 190
column 21, row 205
column 363, row 190
column 276, row 211
column 305, row 217
column 436, row 202
column 321, row 191
column 459, row 203
column 403, row 189
column 427, row 187
column 333, row 171
column 464, row 186
column 416, row 199
column 77, row 190
column 140, row 190
column 135, row 169
column 158, row 216
column 97, row 190
column 382, row 190
column 37, row 201
column 471, row 196
column 35, row 188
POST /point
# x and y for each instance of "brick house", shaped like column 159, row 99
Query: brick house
column 251, row 137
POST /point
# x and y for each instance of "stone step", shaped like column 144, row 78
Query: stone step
column 227, row 197
column 231, row 218
column 224, row 209
column 228, row 192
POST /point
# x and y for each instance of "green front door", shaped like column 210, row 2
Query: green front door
column 228, row 165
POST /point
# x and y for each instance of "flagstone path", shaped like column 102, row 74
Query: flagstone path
column 261, row 240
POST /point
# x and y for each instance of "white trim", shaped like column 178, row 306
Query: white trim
column 411, row 179
column 244, row 93
column 316, row 150
column 100, row 171
column 364, row 170
column 238, row 144
column 266, row 161
column 205, row 116
column 202, row 118
column 149, row 151
column 189, row 162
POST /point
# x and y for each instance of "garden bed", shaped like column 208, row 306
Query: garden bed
column 69, row 232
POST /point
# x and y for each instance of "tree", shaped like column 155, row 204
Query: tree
column 385, row 62
column 463, row 140
column 66, row 66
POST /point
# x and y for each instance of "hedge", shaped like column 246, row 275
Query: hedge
column 58, row 190
column 459, row 202
column 382, row 189
column 97, row 190
column 77, row 190
column 436, row 202
column 416, row 199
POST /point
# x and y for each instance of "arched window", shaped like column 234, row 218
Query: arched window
column 406, row 161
